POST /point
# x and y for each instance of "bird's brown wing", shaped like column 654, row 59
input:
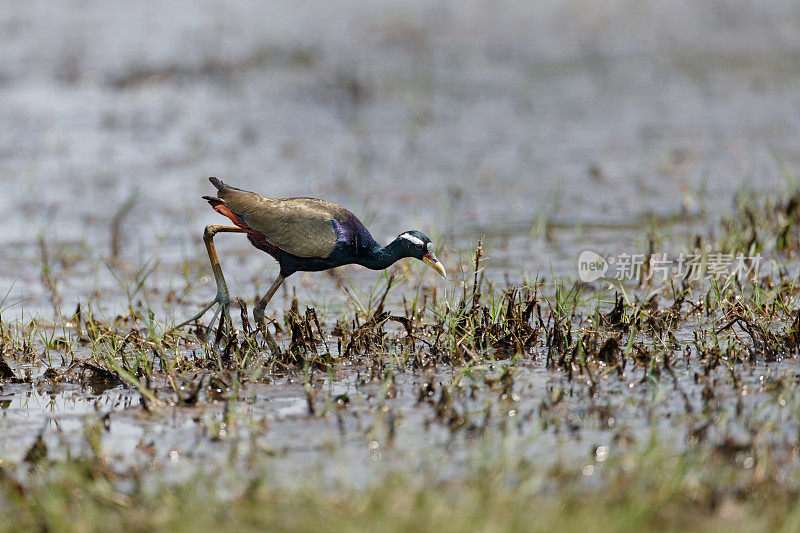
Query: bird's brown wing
column 304, row 227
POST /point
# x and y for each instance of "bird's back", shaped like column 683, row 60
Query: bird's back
column 304, row 227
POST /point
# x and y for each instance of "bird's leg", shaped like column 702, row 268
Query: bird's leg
column 258, row 314
column 222, row 298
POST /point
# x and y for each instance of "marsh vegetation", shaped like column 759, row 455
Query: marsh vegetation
column 513, row 396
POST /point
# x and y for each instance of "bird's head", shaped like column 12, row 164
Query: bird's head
column 417, row 244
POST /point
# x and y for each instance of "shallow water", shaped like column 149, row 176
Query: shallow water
column 546, row 129
column 462, row 120
column 359, row 430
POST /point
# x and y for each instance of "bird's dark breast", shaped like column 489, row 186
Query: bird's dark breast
column 290, row 264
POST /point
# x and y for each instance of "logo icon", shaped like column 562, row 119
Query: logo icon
column 591, row 266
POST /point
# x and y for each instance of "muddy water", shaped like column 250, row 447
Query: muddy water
column 547, row 129
column 361, row 428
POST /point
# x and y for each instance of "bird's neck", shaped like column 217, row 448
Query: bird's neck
column 381, row 257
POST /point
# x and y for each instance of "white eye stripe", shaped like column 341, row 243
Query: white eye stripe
column 413, row 239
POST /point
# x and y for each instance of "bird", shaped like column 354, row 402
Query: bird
column 302, row 235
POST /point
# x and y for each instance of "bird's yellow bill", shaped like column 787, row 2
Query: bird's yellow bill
column 436, row 265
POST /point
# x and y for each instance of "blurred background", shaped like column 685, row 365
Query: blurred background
column 544, row 127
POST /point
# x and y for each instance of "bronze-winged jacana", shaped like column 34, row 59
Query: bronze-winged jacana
column 302, row 234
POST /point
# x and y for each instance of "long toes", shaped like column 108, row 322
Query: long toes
column 224, row 305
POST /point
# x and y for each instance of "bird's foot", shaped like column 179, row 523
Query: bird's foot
column 224, row 314
column 261, row 324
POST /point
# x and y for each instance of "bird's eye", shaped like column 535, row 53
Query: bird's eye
column 428, row 246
